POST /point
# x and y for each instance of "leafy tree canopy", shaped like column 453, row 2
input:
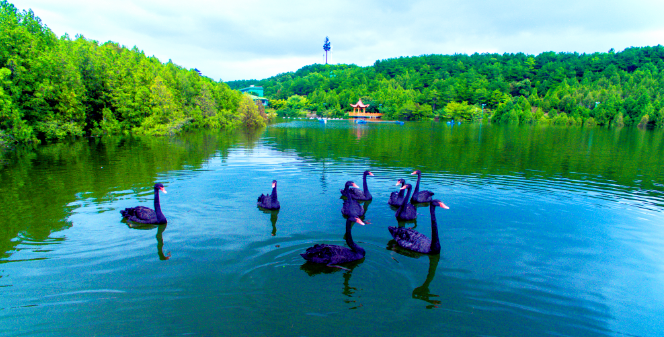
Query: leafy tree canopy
column 53, row 88
column 514, row 88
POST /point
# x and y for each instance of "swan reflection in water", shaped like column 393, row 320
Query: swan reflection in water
column 313, row 269
column 422, row 292
column 274, row 214
column 160, row 237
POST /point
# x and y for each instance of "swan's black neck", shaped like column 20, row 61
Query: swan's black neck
column 417, row 186
column 349, row 236
column 274, row 193
column 435, row 241
column 404, row 202
column 365, row 187
column 157, row 208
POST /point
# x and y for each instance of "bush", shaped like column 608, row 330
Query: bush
column 644, row 121
column 248, row 113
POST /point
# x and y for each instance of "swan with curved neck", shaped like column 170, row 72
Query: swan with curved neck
column 413, row 240
column 351, row 208
column 420, row 196
column 397, row 197
column 269, row 201
column 360, row 195
column 406, row 211
column 332, row 255
column 145, row 215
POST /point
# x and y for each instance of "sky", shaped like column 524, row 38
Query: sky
column 234, row 40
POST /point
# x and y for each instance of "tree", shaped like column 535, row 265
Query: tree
column 659, row 118
column 459, row 111
column 249, row 115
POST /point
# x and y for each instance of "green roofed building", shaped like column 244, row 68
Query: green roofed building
column 263, row 100
column 256, row 93
column 252, row 90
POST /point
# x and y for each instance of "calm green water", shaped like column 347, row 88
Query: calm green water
column 550, row 231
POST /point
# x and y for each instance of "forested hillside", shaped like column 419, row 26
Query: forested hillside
column 623, row 88
column 52, row 88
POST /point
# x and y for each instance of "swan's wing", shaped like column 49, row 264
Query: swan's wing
column 423, row 196
column 357, row 194
column 326, row 254
column 411, row 239
column 139, row 214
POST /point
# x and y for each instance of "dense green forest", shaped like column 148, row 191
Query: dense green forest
column 612, row 88
column 52, row 88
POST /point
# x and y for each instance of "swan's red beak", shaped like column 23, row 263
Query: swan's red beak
column 414, row 172
column 403, row 187
column 443, row 205
column 163, row 190
column 397, row 184
column 371, row 174
column 274, row 185
column 355, row 185
column 359, row 221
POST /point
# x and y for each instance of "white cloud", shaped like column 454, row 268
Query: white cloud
column 239, row 40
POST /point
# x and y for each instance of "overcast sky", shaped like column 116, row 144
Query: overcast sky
column 233, row 40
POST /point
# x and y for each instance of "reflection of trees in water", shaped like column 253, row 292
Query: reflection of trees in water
column 557, row 149
column 323, row 178
column 34, row 210
column 249, row 137
column 313, row 269
column 159, row 236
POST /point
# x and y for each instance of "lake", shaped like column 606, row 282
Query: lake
column 550, row 231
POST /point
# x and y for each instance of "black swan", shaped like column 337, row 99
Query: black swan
column 413, row 240
column 363, row 194
column 269, row 201
column 420, row 196
column 146, row 215
column 351, row 208
column 406, row 210
column 397, row 197
column 332, row 255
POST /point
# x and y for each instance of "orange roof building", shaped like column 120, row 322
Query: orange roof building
column 359, row 105
column 363, row 113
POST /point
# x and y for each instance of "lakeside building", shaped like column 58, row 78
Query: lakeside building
column 363, row 113
column 256, row 93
